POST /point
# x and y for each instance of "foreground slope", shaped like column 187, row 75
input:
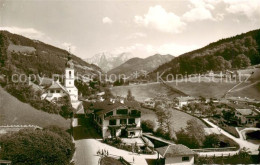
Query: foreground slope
column 14, row 112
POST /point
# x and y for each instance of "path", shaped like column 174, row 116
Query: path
column 245, row 87
column 242, row 133
column 253, row 148
column 88, row 148
column 230, row 90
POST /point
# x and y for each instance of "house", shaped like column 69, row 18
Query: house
column 114, row 118
column 232, row 74
column 164, row 101
column 210, row 74
column 177, row 154
column 247, row 116
column 5, row 162
column 149, row 103
column 181, row 101
column 100, row 96
column 56, row 90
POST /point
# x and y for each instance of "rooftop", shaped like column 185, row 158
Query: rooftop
column 245, row 112
column 174, row 150
column 107, row 105
column 187, row 98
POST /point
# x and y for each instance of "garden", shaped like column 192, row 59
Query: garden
column 193, row 136
column 145, row 147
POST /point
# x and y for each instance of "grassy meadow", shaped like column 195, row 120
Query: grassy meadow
column 14, row 112
column 205, row 89
column 179, row 118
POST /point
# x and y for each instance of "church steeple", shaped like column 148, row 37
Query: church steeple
column 70, row 78
column 69, row 63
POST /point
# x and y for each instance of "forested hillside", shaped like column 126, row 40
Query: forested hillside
column 138, row 64
column 235, row 52
column 19, row 54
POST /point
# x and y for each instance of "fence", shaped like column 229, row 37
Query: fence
column 215, row 149
column 120, row 158
column 20, row 126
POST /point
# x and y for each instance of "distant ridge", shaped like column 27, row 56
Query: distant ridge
column 138, row 64
column 217, row 56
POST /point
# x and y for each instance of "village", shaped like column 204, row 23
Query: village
column 129, row 82
column 118, row 126
column 118, row 121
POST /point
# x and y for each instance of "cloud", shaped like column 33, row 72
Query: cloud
column 107, row 20
column 201, row 10
column 145, row 50
column 27, row 32
column 250, row 8
column 198, row 13
column 130, row 48
column 171, row 48
column 158, row 18
column 136, row 35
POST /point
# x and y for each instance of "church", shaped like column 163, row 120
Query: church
column 56, row 90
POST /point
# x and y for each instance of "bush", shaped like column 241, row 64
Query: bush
column 37, row 147
column 211, row 141
column 187, row 140
column 147, row 126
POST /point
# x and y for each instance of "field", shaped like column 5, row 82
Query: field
column 179, row 118
column 217, row 89
column 14, row 112
column 251, row 88
column 249, row 91
column 140, row 92
column 205, row 89
column 22, row 49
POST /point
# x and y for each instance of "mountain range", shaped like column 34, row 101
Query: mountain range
column 140, row 65
column 107, row 61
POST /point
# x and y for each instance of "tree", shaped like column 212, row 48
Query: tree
column 147, row 125
column 129, row 96
column 36, row 147
column 227, row 115
column 196, row 130
column 219, row 63
column 241, row 61
column 211, row 141
column 183, row 137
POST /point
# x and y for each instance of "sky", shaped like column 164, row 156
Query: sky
column 142, row 28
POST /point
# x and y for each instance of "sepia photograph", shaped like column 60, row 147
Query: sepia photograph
column 129, row 82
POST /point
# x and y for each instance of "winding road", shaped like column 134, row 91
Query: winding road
column 253, row 148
